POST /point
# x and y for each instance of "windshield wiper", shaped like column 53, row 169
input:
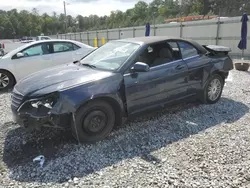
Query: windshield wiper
column 88, row 65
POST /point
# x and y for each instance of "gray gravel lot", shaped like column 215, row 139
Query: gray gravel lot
column 190, row 145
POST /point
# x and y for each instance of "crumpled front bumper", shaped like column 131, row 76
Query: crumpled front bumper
column 33, row 121
column 28, row 117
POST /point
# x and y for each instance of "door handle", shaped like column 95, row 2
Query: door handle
column 178, row 67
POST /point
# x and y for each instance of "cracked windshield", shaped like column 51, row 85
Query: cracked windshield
column 111, row 56
column 124, row 93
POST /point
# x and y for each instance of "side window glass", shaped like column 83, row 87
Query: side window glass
column 162, row 54
column 157, row 54
column 75, row 47
column 173, row 44
column 62, row 47
column 187, row 50
column 175, row 50
column 44, row 38
column 40, row 49
column 146, row 55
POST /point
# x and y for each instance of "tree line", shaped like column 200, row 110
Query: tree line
column 14, row 24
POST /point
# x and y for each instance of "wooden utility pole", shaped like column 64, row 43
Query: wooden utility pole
column 65, row 15
column 181, row 25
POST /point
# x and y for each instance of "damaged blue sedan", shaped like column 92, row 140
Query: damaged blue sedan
column 118, row 80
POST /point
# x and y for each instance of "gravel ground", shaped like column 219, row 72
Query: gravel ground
column 190, row 145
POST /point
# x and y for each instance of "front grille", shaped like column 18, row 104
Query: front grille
column 16, row 99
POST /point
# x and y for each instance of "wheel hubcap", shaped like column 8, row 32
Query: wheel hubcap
column 94, row 122
column 4, row 80
column 214, row 89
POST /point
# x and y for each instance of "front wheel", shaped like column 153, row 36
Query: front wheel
column 7, row 80
column 93, row 122
column 213, row 89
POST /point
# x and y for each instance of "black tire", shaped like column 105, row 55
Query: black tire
column 11, row 80
column 206, row 98
column 81, row 129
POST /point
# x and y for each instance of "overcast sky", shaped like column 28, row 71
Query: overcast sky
column 75, row 7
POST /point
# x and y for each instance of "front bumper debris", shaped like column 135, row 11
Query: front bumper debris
column 32, row 121
column 35, row 113
column 35, row 118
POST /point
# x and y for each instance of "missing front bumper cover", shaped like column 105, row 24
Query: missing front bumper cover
column 32, row 121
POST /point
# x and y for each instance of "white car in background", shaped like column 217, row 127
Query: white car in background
column 42, row 38
column 38, row 55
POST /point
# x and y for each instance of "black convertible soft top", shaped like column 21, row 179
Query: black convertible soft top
column 155, row 39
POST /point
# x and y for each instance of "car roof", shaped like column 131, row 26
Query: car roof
column 54, row 40
column 59, row 40
column 25, row 45
column 149, row 39
column 154, row 39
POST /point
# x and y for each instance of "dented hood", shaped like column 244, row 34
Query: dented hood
column 59, row 78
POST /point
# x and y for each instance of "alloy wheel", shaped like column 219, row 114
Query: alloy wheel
column 4, row 80
column 214, row 89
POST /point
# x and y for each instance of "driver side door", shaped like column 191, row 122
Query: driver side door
column 34, row 59
column 163, row 83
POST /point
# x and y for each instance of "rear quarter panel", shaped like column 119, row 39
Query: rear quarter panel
column 219, row 64
column 223, row 64
column 201, row 68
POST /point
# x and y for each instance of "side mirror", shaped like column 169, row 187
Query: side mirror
column 140, row 67
column 20, row 54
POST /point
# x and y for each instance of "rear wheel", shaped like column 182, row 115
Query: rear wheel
column 93, row 122
column 213, row 89
column 7, row 80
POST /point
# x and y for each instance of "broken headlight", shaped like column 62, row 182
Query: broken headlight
column 45, row 102
column 40, row 106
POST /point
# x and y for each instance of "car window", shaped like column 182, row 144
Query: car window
column 76, row 47
column 64, row 47
column 45, row 38
column 111, row 56
column 173, row 44
column 175, row 50
column 159, row 54
column 39, row 49
column 187, row 50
